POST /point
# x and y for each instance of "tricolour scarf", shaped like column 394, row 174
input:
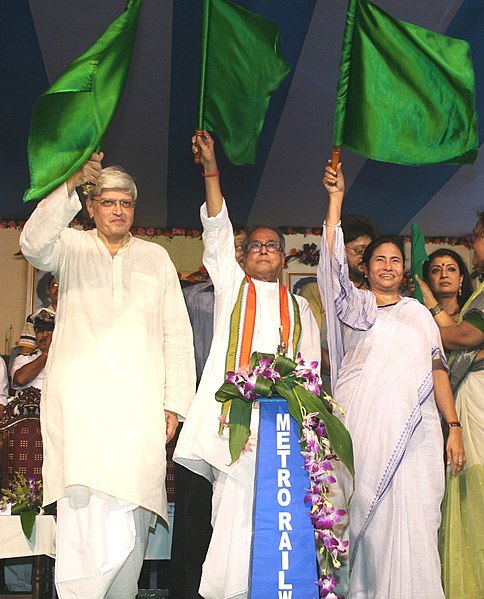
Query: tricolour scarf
column 242, row 323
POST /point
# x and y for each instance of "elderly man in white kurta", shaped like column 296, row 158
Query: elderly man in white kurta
column 119, row 372
column 200, row 448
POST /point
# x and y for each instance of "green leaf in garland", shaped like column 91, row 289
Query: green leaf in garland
column 286, row 391
column 227, row 392
column 263, row 387
column 284, row 365
column 338, row 435
column 239, row 426
column 27, row 520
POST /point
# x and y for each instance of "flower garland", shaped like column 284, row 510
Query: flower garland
column 25, row 496
column 318, row 455
column 324, row 439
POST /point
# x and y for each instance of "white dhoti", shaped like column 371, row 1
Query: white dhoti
column 225, row 571
column 101, row 543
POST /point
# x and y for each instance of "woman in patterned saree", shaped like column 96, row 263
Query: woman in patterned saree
column 388, row 373
column 461, row 537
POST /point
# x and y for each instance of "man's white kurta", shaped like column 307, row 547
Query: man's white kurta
column 199, row 447
column 121, row 353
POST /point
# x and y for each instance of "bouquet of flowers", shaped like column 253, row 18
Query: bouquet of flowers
column 25, row 496
column 324, row 439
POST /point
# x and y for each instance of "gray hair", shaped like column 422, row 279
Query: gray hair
column 115, row 177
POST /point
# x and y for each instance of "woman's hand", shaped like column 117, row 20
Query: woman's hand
column 333, row 180
column 455, row 450
column 428, row 297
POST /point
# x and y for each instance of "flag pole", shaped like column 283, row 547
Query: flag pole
column 335, row 152
column 203, row 67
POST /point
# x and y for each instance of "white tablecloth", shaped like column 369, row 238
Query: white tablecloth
column 13, row 542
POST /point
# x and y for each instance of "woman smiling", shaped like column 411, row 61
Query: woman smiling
column 389, row 375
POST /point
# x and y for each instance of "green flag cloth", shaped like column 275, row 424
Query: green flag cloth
column 241, row 67
column 405, row 94
column 418, row 257
column 70, row 119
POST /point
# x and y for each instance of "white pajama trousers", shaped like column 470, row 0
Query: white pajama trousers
column 100, row 545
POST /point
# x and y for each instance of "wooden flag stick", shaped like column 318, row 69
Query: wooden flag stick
column 335, row 156
column 196, row 156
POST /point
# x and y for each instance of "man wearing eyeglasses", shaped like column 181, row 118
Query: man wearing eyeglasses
column 249, row 304
column 120, row 371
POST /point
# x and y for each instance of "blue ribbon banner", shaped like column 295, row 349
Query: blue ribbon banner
column 283, row 562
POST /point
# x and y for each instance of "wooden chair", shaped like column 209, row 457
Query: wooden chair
column 21, row 451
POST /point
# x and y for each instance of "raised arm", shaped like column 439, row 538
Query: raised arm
column 335, row 184
column 204, row 146
column 454, row 336
column 88, row 173
column 40, row 238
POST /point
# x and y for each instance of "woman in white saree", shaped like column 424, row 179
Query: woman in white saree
column 389, row 374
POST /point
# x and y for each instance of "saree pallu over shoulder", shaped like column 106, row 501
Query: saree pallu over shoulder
column 461, row 537
column 460, row 362
column 343, row 301
column 388, row 401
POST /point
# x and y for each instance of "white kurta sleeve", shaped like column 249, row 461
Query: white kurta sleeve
column 219, row 252
column 40, row 238
column 177, row 347
column 310, row 347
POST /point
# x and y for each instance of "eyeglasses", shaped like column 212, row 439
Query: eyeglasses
column 256, row 247
column 126, row 204
column 359, row 250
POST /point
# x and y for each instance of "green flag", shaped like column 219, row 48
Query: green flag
column 417, row 258
column 405, row 94
column 70, row 119
column 241, row 67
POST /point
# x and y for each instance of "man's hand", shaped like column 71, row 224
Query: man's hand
column 203, row 145
column 88, row 173
column 171, row 420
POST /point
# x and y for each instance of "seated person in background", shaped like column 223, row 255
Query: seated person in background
column 28, row 369
column 27, row 339
column 3, row 386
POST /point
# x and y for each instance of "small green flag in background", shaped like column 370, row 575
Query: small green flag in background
column 70, row 119
column 418, row 257
column 405, row 94
column 241, row 67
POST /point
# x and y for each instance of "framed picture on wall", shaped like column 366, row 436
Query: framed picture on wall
column 295, row 281
column 37, row 290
